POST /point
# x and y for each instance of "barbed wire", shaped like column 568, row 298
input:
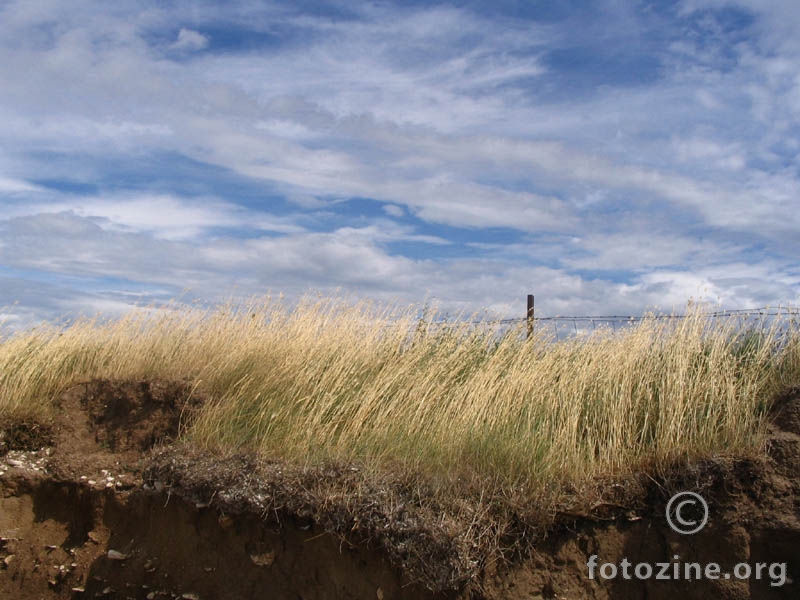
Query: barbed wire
column 764, row 311
column 573, row 325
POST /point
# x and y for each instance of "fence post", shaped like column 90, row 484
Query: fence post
column 529, row 316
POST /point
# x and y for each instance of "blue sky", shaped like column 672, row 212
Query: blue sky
column 609, row 157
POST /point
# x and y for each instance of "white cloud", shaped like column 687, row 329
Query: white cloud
column 708, row 153
column 189, row 41
column 16, row 186
column 164, row 216
column 393, row 210
column 734, row 284
column 642, row 251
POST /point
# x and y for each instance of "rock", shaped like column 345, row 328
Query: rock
column 117, row 555
column 263, row 560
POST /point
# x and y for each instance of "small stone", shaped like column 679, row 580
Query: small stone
column 190, row 597
column 379, row 594
column 91, row 482
column 117, row 555
column 8, row 560
column 151, row 596
column 78, row 590
column 15, row 463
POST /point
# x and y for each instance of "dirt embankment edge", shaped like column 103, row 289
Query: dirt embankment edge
column 87, row 510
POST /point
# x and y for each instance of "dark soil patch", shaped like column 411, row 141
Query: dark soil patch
column 137, row 415
column 785, row 413
column 24, row 435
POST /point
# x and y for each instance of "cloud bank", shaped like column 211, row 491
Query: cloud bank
column 608, row 157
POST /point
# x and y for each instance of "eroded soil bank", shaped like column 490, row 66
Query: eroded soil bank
column 88, row 509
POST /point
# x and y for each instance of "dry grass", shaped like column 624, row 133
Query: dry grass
column 328, row 380
column 453, row 445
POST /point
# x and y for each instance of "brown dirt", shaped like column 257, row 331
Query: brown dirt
column 103, row 503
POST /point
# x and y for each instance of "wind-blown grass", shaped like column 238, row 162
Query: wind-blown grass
column 332, row 380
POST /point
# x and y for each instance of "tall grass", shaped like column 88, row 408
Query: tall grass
column 357, row 382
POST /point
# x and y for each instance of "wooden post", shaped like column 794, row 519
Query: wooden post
column 529, row 316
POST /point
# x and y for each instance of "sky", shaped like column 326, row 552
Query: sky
column 609, row 157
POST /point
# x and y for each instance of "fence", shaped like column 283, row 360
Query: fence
column 568, row 326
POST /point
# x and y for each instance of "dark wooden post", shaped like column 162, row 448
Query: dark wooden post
column 529, row 315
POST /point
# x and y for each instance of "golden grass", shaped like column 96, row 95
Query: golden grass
column 355, row 382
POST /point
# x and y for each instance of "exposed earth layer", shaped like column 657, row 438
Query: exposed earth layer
column 103, row 502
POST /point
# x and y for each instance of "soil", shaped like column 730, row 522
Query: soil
column 105, row 502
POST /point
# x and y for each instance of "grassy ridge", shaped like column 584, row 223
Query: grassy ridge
column 328, row 379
